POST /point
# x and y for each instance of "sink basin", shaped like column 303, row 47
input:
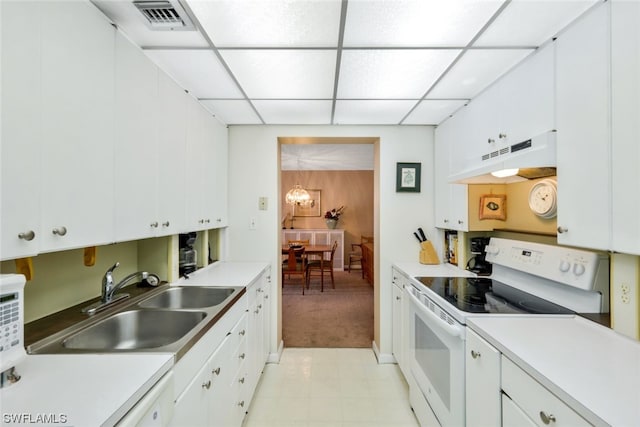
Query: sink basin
column 135, row 329
column 188, row 297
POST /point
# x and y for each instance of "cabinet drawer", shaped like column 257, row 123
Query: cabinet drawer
column 536, row 401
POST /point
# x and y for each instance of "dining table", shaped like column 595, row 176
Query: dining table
column 314, row 250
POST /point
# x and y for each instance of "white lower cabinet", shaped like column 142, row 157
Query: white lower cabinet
column 512, row 416
column 482, row 376
column 538, row 403
column 400, row 316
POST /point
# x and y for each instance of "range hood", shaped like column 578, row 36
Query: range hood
column 535, row 158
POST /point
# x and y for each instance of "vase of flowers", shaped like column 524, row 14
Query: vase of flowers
column 331, row 217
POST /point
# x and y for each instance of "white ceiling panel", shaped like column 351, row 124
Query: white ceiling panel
column 283, row 74
column 416, row 22
column 475, row 71
column 251, row 23
column 232, row 111
column 433, row 111
column 294, row 112
column 198, row 71
column 531, row 23
column 372, row 112
column 391, row 73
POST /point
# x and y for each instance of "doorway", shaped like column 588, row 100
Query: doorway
column 340, row 172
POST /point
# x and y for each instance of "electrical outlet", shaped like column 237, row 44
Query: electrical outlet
column 263, row 203
column 252, row 224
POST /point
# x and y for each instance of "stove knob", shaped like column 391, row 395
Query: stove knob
column 578, row 269
column 565, row 266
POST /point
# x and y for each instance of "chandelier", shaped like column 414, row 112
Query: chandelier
column 297, row 196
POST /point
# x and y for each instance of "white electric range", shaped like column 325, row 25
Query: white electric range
column 527, row 279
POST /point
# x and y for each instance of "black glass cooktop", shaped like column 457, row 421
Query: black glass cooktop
column 485, row 295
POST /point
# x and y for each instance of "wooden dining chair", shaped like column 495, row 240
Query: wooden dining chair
column 355, row 256
column 320, row 267
column 295, row 265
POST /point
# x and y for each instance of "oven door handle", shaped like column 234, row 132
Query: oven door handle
column 453, row 330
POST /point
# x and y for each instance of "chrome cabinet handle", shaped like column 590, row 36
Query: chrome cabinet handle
column 491, row 140
column 28, row 236
column 201, row 221
column 207, row 385
column 398, row 298
column 242, row 332
column 207, row 220
column 165, row 224
column 241, row 404
column 218, row 219
column 60, row 231
column 241, row 380
column 460, row 221
column 547, row 419
column 446, row 221
column 562, row 229
column 475, row 354
column 154, row 224
column 216, row 371
column 242, row 356
column 502, row 135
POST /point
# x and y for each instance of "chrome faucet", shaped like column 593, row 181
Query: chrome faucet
column 109, row 289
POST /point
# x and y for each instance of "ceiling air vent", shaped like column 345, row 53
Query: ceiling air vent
column 164, row 15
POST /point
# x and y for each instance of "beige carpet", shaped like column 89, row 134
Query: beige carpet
column 336, row 318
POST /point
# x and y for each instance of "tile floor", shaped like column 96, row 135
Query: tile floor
column 316, row 387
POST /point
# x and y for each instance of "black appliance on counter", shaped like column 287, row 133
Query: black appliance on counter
column 478, row 263
column 188, row 255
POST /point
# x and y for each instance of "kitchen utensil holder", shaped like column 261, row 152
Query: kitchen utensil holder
column 428, row 254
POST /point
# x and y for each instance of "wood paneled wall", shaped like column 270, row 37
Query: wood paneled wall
column 352, row 189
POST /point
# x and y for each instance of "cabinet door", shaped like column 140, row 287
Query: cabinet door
column 441, row 174
column 192, row 406
column 625, row 68
column 21, row 130
column 397, row 293
column 482, row 376
column 136, row 143
column 512, row 416
column 172, row 168
column 266, row 349
column 194, row 167
column 218, row 173
column 583, row 106
column 527, row 106
column 77, row 126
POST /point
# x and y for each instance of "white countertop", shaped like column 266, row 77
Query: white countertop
column 414, row 269
column 223, row 273
column 87, row 390
column 592, row 368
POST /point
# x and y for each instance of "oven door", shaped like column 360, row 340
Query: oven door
column 436, row 354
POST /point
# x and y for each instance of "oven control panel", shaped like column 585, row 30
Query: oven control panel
column 11, row 320
column 577, row 268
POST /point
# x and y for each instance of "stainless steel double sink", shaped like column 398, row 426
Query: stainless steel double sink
column 167, row 319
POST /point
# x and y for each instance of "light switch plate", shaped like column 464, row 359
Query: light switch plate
column 262, row 203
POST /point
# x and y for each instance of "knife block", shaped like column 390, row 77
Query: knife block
column 428, row 254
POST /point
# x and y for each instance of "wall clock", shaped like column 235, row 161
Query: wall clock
column 543, row 199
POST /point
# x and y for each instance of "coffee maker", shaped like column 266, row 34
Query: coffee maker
column 188, row 255
column 477, row 263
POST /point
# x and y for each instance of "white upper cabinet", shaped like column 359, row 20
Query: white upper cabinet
column 77, row 126
column 149, row 146
column 625, row 96
column 21, row 131
column 583, row 131
column 217, row 172
column 172, row 152
column 451, row 200
column 136, row 143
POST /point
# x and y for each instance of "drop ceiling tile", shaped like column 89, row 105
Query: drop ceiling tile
column 372, row 112
column 416, row 22
column 531, row 23
column 131, row 22
column 391, row 73
column 283, row 74
column 294, row 111
column 476, row 70
column 198, row 71
column 433, row 111
column 251, row 23
column 232, row 111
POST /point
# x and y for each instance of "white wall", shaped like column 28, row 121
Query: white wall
column 253, row 172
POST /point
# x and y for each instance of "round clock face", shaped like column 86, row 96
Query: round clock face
column 543, row 199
